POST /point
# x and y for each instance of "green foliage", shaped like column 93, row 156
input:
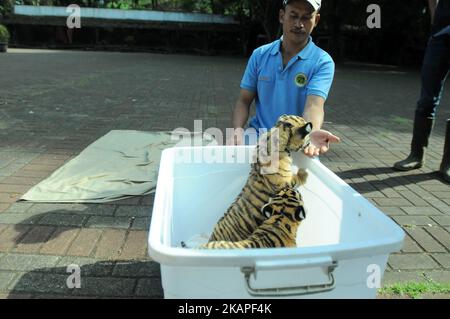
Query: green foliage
column 4, row 34
column 6, row 7
column 415, row 289
column 119, row 4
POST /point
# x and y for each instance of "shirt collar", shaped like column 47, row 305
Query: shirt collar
column 303, row 54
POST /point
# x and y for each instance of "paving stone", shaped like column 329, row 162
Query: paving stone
column 443, row 259
column 414, row 220
column 374, row 194
column 12, row 235
column 89, row 266
column 150, row 288
column 34, row 239
column 413, row 198
column 141, row 224
column 4, row 207
column 17, row 218
column 410, row 246
column 137, row 269
column 9, row 198
column 45, row 208
column 60, row 241
column 10, row 169
column 439, row 276
column 110, row 245
column 13, row 188
column 412, row 262
column 6, row 277
column 135, row 245
column 100, row 210
column 147, row 200
column 3, row 227
column 106, row 287
column 39, row 282
column 30, row 181
column 57, row 219
column 85, row 242
column 392, row 202
column 421, row 211
column 443, row 195
column 20, row 207
column 441, row 220
column 108, row 222
column 395, row 277
column 439, row 205
column 128, row 201
column 392, row 211
column 441, row 235
column 22, row 262
column 133, row 211
column 425, row 240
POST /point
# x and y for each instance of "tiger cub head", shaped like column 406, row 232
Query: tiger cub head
column 287, row 203
column 293, row 132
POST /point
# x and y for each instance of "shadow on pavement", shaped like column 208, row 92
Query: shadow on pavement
column 59, row 221
column 385, row 183
column 105, row 279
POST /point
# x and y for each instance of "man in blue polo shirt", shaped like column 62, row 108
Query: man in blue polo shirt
column 288, row 76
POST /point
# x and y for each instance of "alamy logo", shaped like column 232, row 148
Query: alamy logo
column 74, row 280
column 374, row 278
column 74, row 18
column 374, row 20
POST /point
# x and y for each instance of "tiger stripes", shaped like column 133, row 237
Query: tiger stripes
column 284, row 214
column 244, row 215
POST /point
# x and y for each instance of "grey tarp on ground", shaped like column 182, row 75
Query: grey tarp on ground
column 116, row 166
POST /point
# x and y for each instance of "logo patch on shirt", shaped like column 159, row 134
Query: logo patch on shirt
column 301, row 79
column 264, row 78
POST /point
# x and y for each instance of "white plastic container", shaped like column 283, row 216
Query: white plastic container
column 343, row 244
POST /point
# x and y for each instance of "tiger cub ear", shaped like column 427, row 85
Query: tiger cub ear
column 300, row 213
column 305, row 130
column 267, row 210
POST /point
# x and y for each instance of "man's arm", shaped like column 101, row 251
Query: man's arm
column 319, row 139
column 314, row 112
column 241, row 113
column 432, row 4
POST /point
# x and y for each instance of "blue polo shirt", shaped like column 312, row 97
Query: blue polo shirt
column 284, row 91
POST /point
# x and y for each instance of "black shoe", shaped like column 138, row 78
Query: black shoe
column 421, row 134
column 445, row 165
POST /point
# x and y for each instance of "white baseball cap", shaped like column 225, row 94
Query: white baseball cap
column 315, row 3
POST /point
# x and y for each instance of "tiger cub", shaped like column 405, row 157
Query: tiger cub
column 284, row 214
column 290, row 134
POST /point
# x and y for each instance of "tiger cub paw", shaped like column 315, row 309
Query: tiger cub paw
column 302, row 176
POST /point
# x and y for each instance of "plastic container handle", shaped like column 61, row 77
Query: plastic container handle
column 290, row 291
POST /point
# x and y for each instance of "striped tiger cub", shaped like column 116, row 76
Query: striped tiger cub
column 284, row 214
column 290, row 134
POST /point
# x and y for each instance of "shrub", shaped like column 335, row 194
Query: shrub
column 4, row 34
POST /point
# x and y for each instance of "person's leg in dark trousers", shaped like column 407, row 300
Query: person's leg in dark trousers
column 435, row 70
column 445, row 165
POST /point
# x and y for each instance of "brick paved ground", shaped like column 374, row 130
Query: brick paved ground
column 53, row 104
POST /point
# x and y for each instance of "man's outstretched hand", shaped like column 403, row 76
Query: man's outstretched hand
column 320, row 142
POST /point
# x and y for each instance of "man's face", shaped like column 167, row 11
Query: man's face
column 298, row 20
